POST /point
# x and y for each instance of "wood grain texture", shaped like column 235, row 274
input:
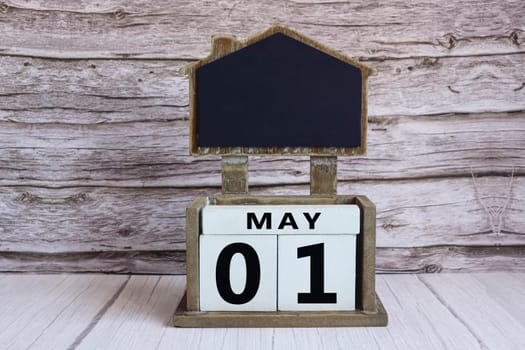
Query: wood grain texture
column 433, row 85
column 279, row 319
column 94, row 166
column 390, row 260
column 192, row 253
column 182, row 29
column 323, row 175
column 502, row 288
column 450, row 258
column 95, row 219
column 92, row 219
column 366, row 256
column 412, row 309
column 37, row 309
column 145, row 304
column 234, row 174
column 468, row 299
column 139, row 262
column 445, row 311
column 85, row 219
column 103, row 91
column 87, row 92
column 154, row 154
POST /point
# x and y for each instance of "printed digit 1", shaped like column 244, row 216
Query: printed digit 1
column 253, row 273
column 317, row 294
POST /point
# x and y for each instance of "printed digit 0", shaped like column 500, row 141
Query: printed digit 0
column 253, row 273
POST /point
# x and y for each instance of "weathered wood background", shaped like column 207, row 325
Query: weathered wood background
column 94, row 166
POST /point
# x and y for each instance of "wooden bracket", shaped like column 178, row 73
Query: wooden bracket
column 234, row 174
column 323, row 175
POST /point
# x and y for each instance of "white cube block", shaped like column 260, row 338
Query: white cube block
column 238, row 273
column 280, row 219
column 316, row 272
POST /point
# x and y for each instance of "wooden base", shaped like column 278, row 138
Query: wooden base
column 223, row 319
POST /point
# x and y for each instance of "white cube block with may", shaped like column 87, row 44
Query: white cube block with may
column 278, row 257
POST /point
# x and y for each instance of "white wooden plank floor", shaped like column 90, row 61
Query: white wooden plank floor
column 438, row 311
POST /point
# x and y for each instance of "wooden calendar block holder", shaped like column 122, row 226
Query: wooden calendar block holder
column 369, row 309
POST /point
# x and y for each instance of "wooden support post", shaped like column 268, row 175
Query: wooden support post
column 366, row 256
column 323, row 175
column 234, row 174
column 192, row 253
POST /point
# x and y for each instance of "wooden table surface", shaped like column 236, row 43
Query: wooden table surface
column 431, row 311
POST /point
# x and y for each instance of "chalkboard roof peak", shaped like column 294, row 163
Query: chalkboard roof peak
column 223, row 45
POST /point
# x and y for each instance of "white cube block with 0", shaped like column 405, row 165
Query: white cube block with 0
column 238, row 273
column 316, row 272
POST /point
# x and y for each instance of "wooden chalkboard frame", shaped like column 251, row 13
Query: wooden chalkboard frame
column 225, row 45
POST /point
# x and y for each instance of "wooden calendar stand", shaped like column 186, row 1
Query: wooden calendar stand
column 369, row 309
column 209, row 99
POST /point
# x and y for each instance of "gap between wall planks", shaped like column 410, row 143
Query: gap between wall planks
column 93, row 152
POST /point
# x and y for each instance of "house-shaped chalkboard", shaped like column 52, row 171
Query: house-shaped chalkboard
column 278, row 92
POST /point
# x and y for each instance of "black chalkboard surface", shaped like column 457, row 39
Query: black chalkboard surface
column 278, row 92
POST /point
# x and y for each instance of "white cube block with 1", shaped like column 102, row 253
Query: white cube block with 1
column 316, row 272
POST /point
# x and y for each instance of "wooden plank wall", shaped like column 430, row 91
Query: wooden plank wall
column 94, row 165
